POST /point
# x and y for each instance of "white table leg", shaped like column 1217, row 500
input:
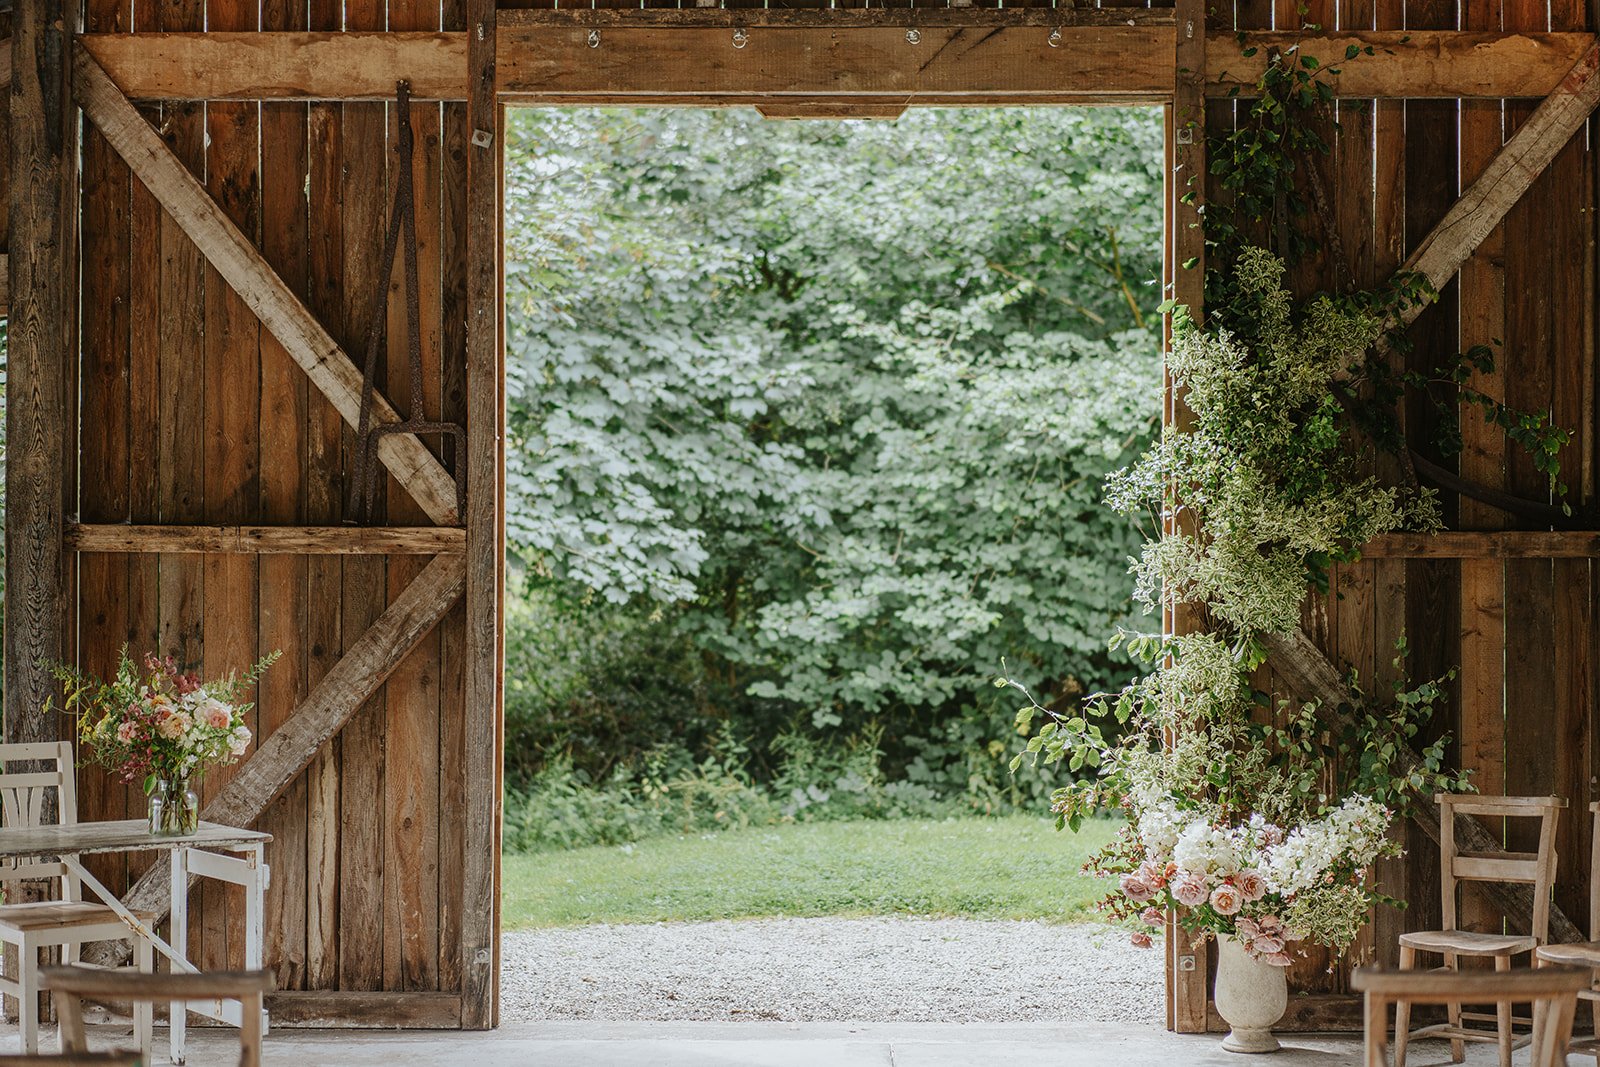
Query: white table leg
column 255, row 907
column 178, row 1011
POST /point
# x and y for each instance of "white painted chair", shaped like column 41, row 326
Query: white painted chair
column 68, row 922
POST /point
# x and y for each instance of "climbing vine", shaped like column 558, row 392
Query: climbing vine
column 1254, row 814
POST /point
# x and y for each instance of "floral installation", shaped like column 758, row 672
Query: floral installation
column 159, row 724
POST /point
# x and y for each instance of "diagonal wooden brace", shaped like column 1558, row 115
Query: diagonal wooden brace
column 244, row 268
column 1311, row 676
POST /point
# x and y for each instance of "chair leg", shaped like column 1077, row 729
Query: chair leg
column 1502, row 1016
column 1402, row 1011
column 69, row 1013
column 144, row 1010
column 1458, row 1047
column 28, row 997
column 250, row 1030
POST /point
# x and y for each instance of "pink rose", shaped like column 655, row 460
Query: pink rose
column 1265, row 945
column 1189, row 889
column 1135, row 890
column 1245, row 929
column 1252, row 885
column 1152, row 916
column 216, row 716
column 1226, row 900
column 1276, row 959
column 1141, row 940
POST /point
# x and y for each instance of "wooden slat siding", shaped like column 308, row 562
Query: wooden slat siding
column 233, row 423
column 1389, row 576
column 1571, row 357
column 411, row 733
column 43, row 167
column 181, row 391
column 1482, row 282
column 104, row 433
column 324, row 442
column 1431, row 588
column 144, row 435
column 376, row 1011
column 1527, row 364
column 1354, row 608
column 481, row 714
column 452, row 788
column 366, row 199
column 284, row 594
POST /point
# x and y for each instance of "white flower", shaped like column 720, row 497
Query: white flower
column 239, row 740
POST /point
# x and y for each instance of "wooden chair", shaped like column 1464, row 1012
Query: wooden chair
column 69, row 986
column 1455, row 866
column 68, row 922
column 1585, row 954
column 1553, row 991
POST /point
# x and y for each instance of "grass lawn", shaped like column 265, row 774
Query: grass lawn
column 1011, row 868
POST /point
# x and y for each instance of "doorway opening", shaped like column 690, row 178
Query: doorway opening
column 807, row 424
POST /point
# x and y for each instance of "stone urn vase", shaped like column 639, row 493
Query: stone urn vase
column 1250, row 997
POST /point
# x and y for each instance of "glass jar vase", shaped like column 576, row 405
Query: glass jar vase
column 173, row 808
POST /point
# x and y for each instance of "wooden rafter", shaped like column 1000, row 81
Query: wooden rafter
column 268, row 540
column 341, row 692
column 1310, row 676
column 241, row 264
column 1486, row 544
column 991, row 56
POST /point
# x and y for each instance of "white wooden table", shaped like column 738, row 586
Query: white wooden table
column 225, row 853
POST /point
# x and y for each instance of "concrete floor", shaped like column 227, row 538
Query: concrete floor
column 592, row 1044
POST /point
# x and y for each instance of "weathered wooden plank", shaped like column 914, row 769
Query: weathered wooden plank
column 361, row 66
column 1411, row 64
column 290, row 749
column 1503, row 181
column 1486, row 544
column 480, row 898
column 902, row 16
column 237, row 260
column 5, row 284
column 1309, row 674
column 375, row 1011
column 267, row 540
column 1131, row 63
column 282, row 65
column 43, row 167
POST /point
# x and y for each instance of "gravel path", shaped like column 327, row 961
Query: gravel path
column 805, row 970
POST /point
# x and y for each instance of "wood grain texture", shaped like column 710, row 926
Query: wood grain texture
column 268, row 540
column 240, row 264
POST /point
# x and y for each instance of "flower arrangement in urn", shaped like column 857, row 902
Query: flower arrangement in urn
column 162, row 728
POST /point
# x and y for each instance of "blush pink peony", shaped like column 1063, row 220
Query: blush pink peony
column 1226, row 900
column 1141, row 940
column 1190, row 889
column 1134, row 888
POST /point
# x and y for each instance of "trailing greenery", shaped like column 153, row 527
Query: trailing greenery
column 808, row 428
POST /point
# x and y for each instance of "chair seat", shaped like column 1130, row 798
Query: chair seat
column 1467, row 943
column 63, row 914
column 1580, row 954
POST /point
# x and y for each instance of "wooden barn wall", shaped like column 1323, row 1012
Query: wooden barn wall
column 1521, row 710
column 191, row 413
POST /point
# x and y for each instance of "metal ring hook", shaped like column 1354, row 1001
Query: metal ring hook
column 594, row 38
column 1054, row 40
column 913, row 37
column 740, row 37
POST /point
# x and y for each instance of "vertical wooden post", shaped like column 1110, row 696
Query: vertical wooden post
column 40, row 422
column 1187, row 963
column 480, row 902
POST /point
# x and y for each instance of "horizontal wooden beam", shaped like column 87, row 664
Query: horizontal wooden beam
column 289, row 749
column 269, row 540
column 837, row 18
column 282, row 66
column 327, row 1010
column 1413, row 64
column 1486, row 544
column 688, row 57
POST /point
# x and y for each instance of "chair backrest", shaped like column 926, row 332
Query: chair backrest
column 25, row 797
column 1532, row 868
column 1552, row 990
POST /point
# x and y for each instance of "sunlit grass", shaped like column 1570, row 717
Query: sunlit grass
column 1010, row 868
